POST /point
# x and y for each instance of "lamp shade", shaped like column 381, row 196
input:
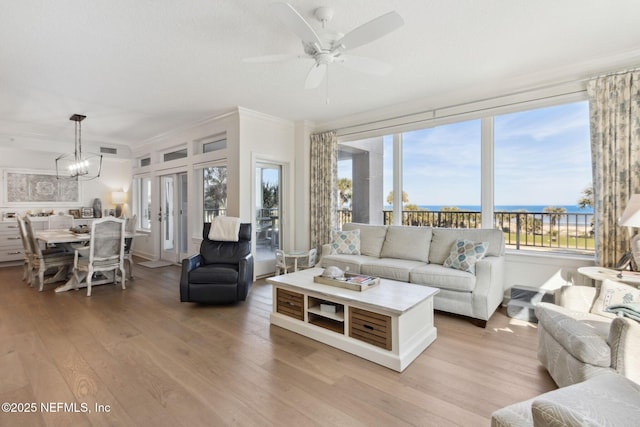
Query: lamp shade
column 631, row 215
column 118, row 197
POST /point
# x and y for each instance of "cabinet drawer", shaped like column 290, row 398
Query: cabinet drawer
column 290, row 304
column 370, row 327
column 11, row 254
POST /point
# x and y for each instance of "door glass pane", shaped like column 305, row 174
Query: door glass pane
column 184, row 204
column 145, row 203
column 268, row 215
column 167, row 213
column 214, row 192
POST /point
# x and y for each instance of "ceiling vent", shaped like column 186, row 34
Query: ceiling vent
column 107, row 150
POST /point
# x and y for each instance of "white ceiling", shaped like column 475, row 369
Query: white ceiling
column 140, row 68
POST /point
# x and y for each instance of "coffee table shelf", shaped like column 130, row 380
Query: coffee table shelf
column 389, row 325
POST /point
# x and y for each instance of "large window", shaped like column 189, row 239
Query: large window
column 214, row 192
column 142, row 205
column 441, row 173
column 363, row 168
column 542, row 174
column 541, row 170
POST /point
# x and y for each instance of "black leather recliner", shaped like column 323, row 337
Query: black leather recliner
column 221, row 273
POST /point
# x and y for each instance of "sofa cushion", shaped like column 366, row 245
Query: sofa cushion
column 443, row 238
column 389, row 268
column 464, row 255
column 214, row 273
column 410, row 243
column 350, row 263
column 583, row 335
column 614, row 293
column 371, row 237
column 442, row 277
column 345, row 242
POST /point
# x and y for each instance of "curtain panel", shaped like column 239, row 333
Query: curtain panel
column 324, row 179
column 614, row 105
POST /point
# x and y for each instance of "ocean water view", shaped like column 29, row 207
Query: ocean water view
column 508, row 208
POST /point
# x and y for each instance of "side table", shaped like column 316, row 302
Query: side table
column 599, row 273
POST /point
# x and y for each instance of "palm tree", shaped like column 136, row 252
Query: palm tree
column 215, row 184
column 586, row 200
column 405, row 198
column 345, row 188
column 555, row 214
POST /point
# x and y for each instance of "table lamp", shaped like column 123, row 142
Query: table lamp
column 631, row 218
column 118, row 198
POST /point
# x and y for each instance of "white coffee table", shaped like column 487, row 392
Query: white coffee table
column 389, row 324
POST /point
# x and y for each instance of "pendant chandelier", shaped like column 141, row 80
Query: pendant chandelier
column 78, row 165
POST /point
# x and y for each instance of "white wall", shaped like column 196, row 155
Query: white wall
column 116, row 175
column 251, row 137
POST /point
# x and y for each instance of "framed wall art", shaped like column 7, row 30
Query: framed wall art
column 37, row 187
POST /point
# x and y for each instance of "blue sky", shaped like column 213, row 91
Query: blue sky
column 542, row 157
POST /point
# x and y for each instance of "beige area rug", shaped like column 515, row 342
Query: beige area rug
column 155, row 264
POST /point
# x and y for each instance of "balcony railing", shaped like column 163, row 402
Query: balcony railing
column 547, row 231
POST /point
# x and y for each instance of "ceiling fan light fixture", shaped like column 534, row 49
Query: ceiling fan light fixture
column 78, row 165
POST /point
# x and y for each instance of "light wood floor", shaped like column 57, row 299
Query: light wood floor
column 153, row 361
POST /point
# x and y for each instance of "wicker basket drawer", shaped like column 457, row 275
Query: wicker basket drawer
column 372, row 328
column 290, row 304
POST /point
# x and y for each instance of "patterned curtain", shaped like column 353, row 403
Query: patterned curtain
column 614, row 104
column 324, row 179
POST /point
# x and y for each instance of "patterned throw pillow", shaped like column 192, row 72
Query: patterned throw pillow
column 613, row 293
column 345, row 242
column 464, row 255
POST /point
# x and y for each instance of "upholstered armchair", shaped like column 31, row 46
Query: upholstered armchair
column 579, row 339
column 221, row 273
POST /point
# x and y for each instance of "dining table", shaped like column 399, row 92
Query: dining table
column 70, row 240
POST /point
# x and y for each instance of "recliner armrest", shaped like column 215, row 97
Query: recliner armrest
column 245, row 276
column 188, row 264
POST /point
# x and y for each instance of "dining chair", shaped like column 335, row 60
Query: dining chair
column 130, row 228
column 60, row 222
column 27, row 267
column 104, row 253
column 45, row 259
column 282, row 265
column 310, row 260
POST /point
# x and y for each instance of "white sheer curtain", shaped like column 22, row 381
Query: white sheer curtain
column 614, row 104
column 324, row 178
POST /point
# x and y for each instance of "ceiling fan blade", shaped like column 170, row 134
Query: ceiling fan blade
column 372, row 30
column 295, row 22
column 365, row 65
column 315, row 76
column 273, row 58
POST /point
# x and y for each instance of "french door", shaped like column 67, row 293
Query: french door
column 268, row 220
column 173, row 217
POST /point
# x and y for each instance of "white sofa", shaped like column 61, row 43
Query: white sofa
column 416, row 255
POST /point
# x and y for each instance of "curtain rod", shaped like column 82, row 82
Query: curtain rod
column 477, row 110
column 616, row 73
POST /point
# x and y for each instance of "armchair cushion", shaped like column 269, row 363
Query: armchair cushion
column 583, row 335
column 223, row 273
column 613, row 293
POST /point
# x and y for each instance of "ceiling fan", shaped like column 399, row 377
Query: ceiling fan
column 327, row 47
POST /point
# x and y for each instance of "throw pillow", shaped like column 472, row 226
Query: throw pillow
column 464, row 254
column 614, row 293
column 345, row 242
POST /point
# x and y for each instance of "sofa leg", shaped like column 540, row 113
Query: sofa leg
column 479, row 323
